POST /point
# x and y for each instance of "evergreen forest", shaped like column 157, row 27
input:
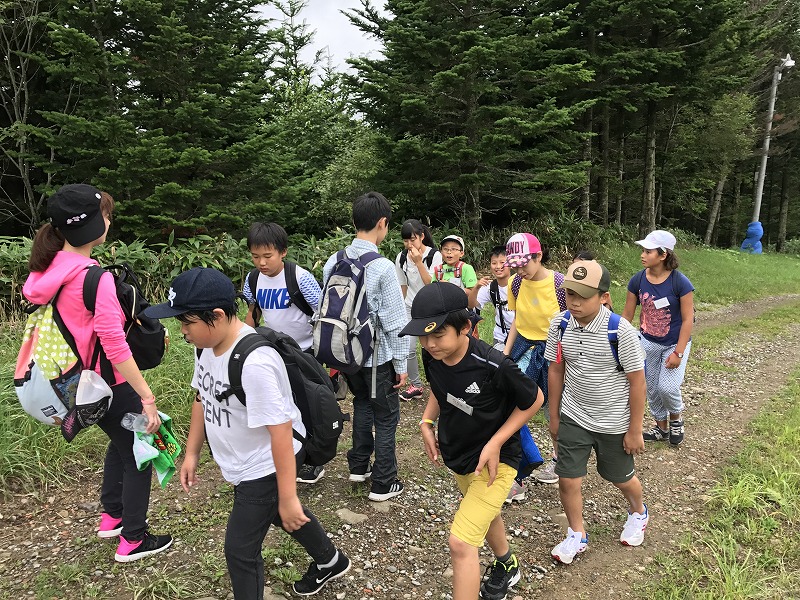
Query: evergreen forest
column 202, row 116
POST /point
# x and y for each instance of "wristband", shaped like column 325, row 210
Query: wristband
column 148, row 401
column 678, row 354
column 428, row 421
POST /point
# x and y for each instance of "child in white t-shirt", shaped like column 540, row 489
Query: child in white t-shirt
column 495, row 291
column 252, row 443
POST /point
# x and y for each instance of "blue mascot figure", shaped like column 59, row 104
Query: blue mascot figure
column 752, row 241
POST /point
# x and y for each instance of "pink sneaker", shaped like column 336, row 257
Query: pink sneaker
column 128, row 551
column 109, row 526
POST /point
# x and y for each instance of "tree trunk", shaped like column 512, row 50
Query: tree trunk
column 733, row 240
column 472, row 208
column 784, row 210
column 605, row 168
column 716, row 202
column 620, row 172
column 587, row 158
column 647, row 223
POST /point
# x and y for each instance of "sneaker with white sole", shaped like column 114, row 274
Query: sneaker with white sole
column 656, row 434
column 411, row 392
column 573, row 545
column 316, row 577
column 128, row 551
column 310, row 474
column 676, row 431
column 499, row 577
column 517, row 492
column 381, row 493
column 633, row 532
column 547, row 474
column 360, row 475
column 109, row 526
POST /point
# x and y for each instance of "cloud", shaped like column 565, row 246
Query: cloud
column 332, row 30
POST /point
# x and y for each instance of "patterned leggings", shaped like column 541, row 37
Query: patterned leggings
column 663, row 384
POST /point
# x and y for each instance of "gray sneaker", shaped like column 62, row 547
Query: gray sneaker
column 676, row 432
column 656, row 434
column 547, row 474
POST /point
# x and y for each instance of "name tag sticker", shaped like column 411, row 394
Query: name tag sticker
column 459, row 404
column 661, row 303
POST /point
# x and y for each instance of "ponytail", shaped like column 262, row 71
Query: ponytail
column 46, row 244
column 414, row 227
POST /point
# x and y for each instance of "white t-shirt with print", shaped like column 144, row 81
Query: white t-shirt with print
column 237, row 434
column 485, row 297
column 277, row 313
column 409, row 276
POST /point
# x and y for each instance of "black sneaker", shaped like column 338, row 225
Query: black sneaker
column 310, row 474
column 676, row 432
column 656, row 434
column 499, row 577
column 315, row 578
column 379, row 492
column 361, row 474
column 151, row 544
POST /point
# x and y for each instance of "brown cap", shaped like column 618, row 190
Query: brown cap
column 587, row 278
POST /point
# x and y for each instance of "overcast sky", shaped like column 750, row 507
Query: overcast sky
column 333, row 30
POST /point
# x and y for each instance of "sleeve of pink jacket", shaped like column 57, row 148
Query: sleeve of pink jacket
column 108, row 320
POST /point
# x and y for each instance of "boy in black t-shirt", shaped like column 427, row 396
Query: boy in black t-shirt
column 481, row 400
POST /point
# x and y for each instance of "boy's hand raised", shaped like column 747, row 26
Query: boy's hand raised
column 483, row 282
column 490, row 459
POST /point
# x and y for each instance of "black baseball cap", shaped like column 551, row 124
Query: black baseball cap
column 198, row 289
column 431, row 306
column 75, row 211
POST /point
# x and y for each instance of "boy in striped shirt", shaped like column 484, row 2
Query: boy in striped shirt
column 596, row 401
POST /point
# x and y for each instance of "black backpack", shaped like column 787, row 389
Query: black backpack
column 499, row 304
column 146, row 337
column 295, row 295
column 312, row 389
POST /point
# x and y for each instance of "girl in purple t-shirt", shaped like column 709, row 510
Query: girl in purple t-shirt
column 667, row 299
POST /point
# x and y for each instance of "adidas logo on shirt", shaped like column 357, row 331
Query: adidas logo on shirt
column 473, row 388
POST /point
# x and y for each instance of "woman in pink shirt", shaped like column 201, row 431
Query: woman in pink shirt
column 80, row 216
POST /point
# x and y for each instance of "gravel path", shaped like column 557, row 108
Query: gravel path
column 399, row 548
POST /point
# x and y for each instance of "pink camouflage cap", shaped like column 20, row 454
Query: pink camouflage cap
column 520, row 248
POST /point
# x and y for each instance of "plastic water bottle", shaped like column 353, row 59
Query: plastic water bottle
column 134, row 422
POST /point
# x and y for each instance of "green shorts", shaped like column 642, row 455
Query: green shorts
column 575, row 445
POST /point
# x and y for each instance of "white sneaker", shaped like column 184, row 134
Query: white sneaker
column 633, row 532
column 566, row 550
column 547, row 474
column 517, row 492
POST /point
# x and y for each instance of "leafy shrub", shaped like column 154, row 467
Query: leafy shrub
column 792, row 246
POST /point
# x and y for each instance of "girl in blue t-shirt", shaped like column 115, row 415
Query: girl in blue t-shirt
column 667, row 300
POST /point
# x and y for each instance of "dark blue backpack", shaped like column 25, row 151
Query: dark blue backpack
column 344, row 335
column 613, row 340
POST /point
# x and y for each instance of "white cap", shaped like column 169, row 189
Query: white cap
column 658, row 239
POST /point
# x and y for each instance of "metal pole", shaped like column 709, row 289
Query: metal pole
column 776, row 77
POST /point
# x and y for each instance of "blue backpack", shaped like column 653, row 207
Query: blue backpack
column 613, row 340
column 344, row 335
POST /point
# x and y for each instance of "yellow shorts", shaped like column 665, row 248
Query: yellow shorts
column 480, row 504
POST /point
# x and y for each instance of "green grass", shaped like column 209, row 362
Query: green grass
column 746, row 547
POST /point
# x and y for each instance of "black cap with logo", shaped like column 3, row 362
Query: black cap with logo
column 75, row 211
column 431, row 306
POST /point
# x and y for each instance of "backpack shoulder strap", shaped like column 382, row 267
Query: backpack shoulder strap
column 637, row 283
column 613, row 338
column 252, row 283
column 403, row 259
column 457, row 270
column 438, row 272
column 368, row 257
column 562, row 326
column 675, row 277
column 428, row 260
column 494, row 296
column 293, row 288
column 239, row 354
column 515, row 285
column 90, row 284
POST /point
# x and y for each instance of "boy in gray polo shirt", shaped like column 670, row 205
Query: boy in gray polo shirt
column 596, row 401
